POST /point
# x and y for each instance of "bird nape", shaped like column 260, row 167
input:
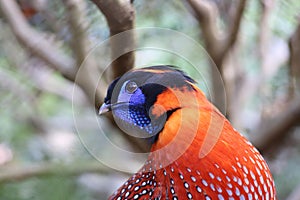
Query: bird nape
column 195, row 152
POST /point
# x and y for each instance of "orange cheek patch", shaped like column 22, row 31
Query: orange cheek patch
column 167, row 100
column 158, row 110
column 173, row 98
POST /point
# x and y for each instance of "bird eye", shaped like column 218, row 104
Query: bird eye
column 131, row 87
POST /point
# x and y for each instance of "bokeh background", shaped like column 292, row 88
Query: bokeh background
column 254, row 45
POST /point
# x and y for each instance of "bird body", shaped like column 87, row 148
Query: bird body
column 196, row 153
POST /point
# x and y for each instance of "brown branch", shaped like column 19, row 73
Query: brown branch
column 35, row 41
column 206, row 14
column 234, row 27
column 48, row 52
column 272, row 54
column 44, row 80
column 89, row 73
column 264, row 30
column 294, row 61
column 271, row 131
column 78, row 24
column 120, row 16
column 217, row 43
column 18, row 173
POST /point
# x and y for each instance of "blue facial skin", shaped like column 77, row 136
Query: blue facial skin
column 132, row 114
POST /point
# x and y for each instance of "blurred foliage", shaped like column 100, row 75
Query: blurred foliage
column 49, row 188
column 22, row 101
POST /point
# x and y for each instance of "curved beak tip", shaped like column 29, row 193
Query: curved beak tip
column 104, row 108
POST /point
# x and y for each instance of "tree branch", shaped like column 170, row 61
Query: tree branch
column 87, row 77
column 206, row 14
column 120, row 16
column 294, row 61
column 234, row 27
column 78, row 25
column 217, row 42
column 18, row 173
column 47, row 52
column 272, row 130
column 35, row 41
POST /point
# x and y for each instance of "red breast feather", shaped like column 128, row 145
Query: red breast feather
column 198, row 155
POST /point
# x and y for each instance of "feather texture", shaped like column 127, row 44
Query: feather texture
column 197, row 154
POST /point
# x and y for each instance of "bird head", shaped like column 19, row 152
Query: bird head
column 142, row 100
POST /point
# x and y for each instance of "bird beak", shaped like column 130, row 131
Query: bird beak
column 104, row 108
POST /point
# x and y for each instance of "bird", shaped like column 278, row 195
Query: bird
column 195, row 152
